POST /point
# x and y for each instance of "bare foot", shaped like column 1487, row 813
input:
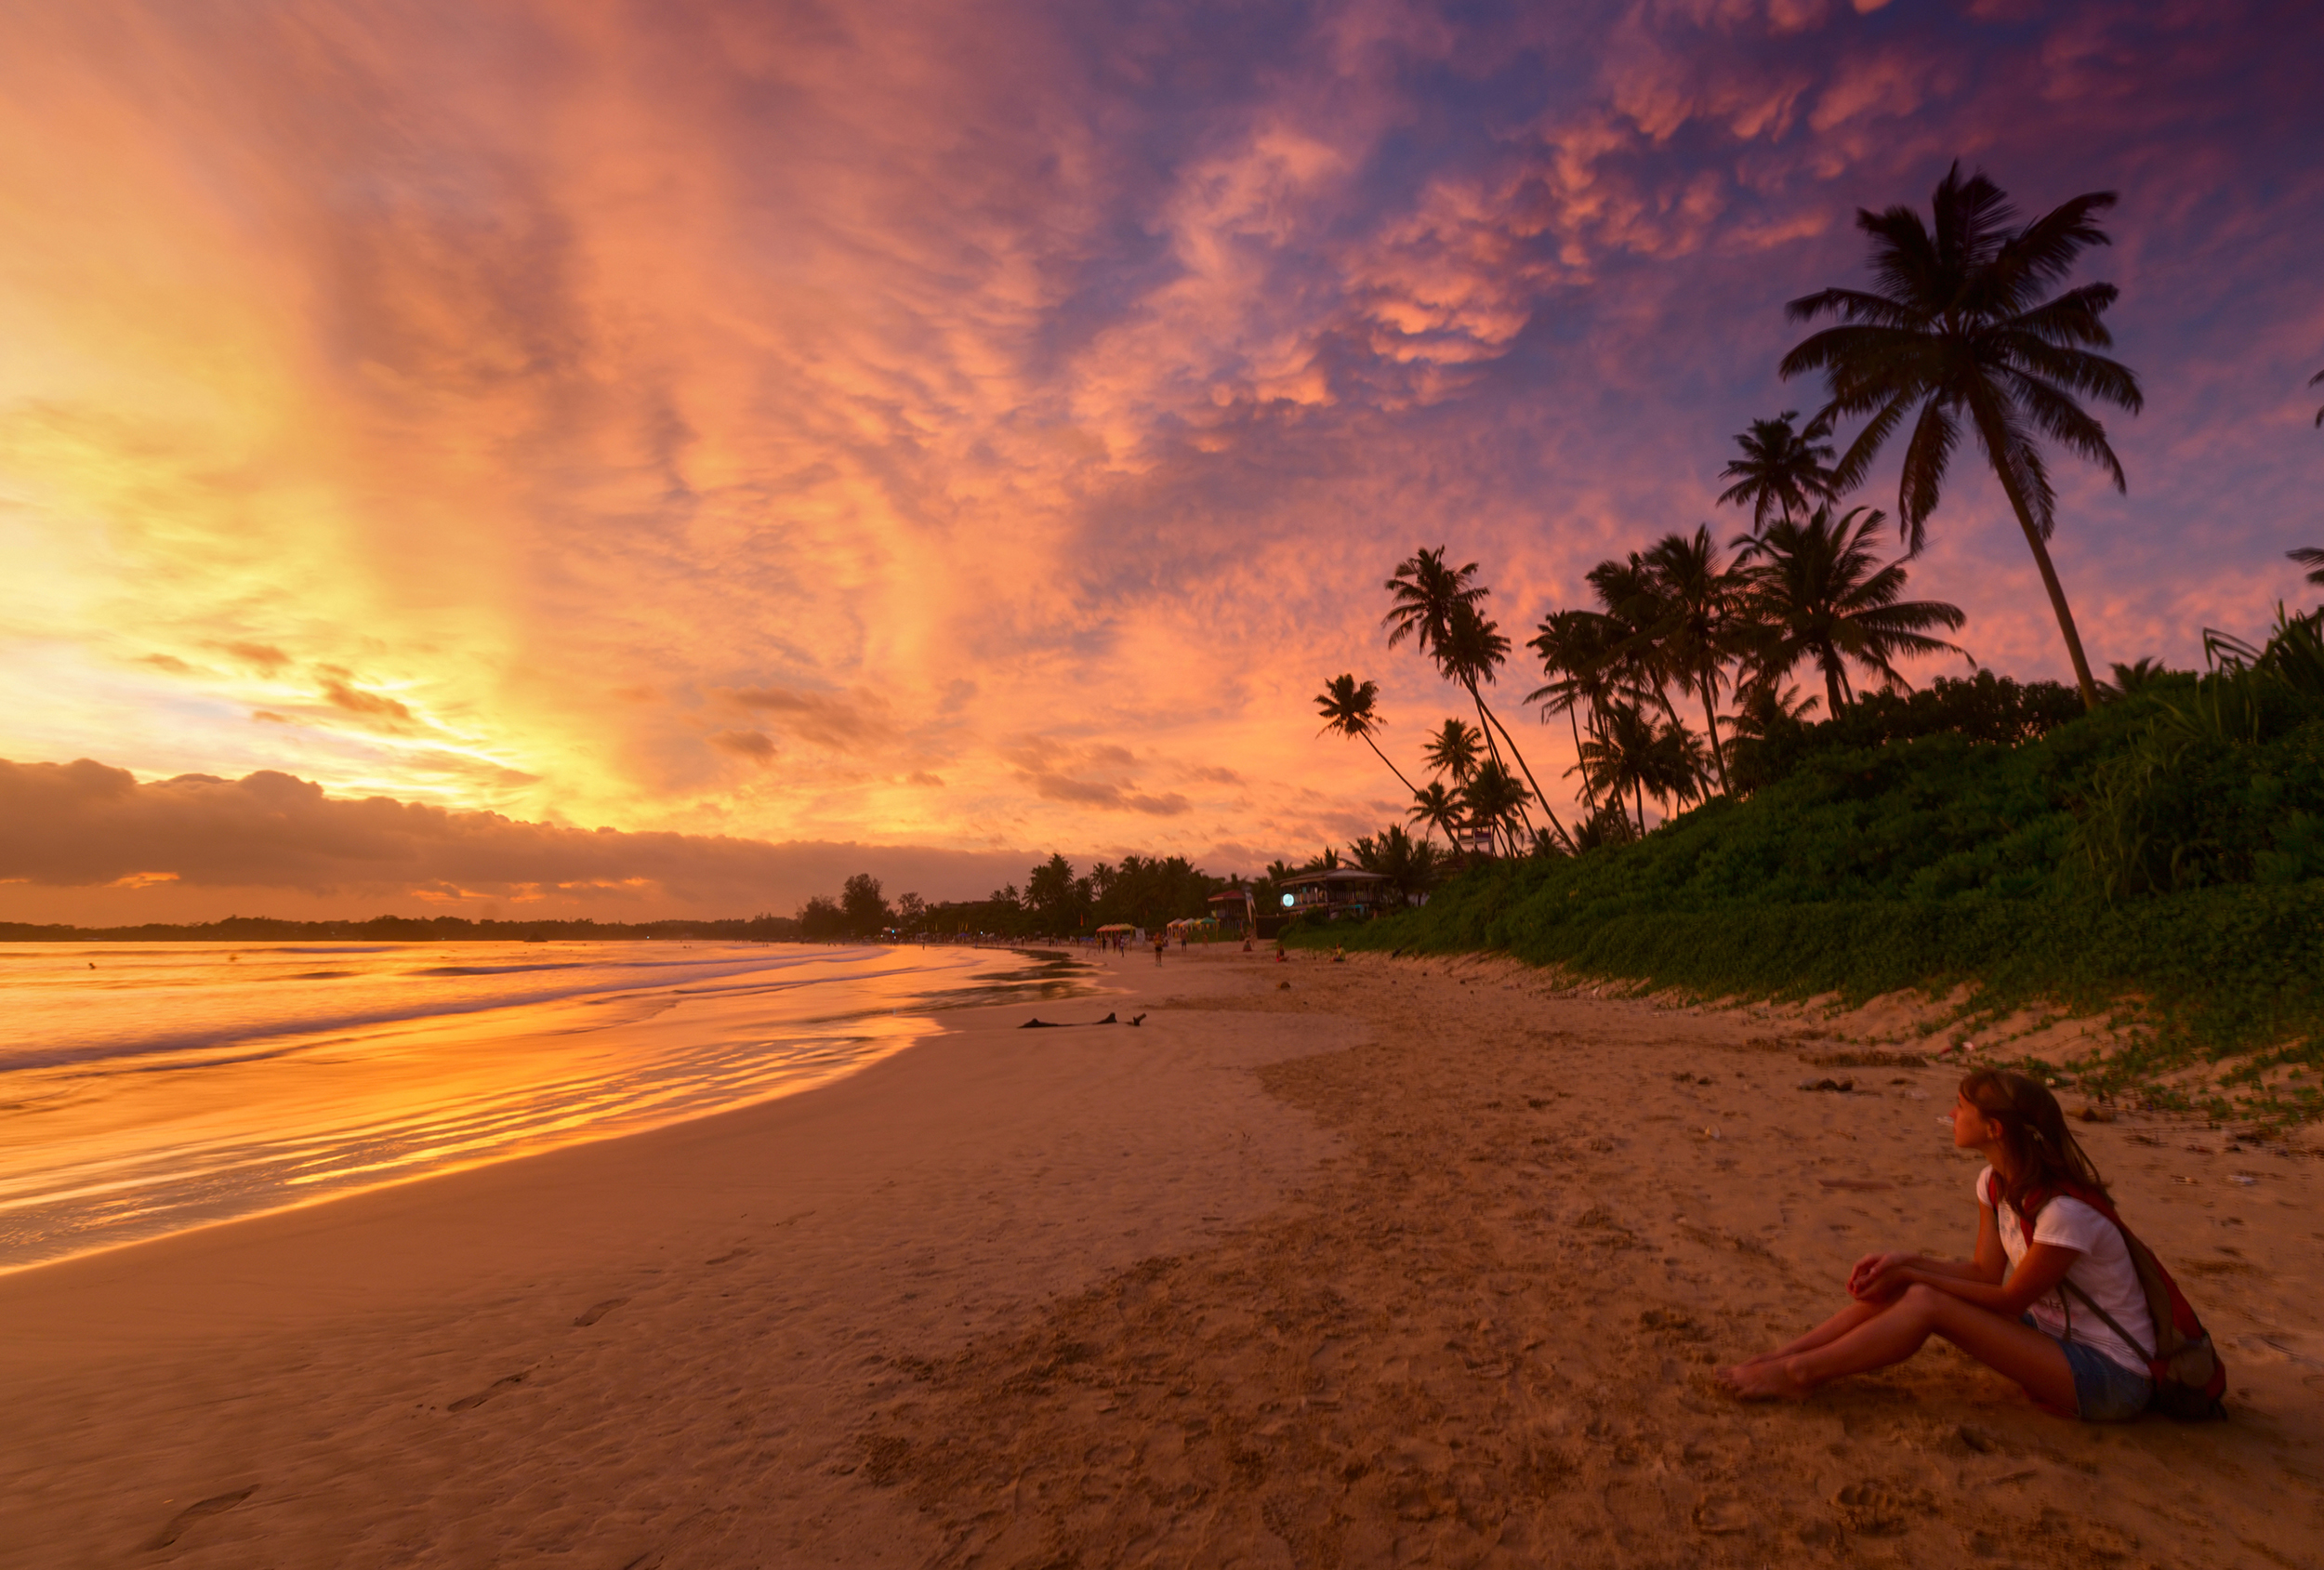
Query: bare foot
column 1765, row 1379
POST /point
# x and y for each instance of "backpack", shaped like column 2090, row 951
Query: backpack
column 2190, row 1377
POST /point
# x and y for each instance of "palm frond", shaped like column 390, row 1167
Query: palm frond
column 2077, row 316
column 2046, row 249
column 2068, row 424
column 1849, row 472
column 2076, row 371
column 1921, row 481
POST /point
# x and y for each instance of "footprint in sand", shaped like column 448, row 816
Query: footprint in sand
column 468, row 1403
column 1719, row 1518
column 194, row 1512
column 729, row 1254
column 599, row 1311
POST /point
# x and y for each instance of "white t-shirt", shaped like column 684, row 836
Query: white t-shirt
column 2103, row 1271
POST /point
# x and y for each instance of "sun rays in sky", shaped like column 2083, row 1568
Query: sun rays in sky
column 973, row 431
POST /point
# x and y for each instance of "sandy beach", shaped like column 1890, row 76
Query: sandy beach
column 1402, row 1262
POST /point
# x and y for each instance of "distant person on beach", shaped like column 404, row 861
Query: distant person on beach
column 1161, row 943
column 2008, row 1306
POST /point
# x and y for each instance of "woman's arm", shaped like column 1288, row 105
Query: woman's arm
column 1877, row 1276
column 1884, row 1275
column 2038, row 1273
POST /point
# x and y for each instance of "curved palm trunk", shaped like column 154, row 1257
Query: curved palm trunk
column 1589, row 791
column 1547, row 811
column 1484, row 722
column 1834, row 677
column 1711, row 718
column 1986, row 426
column 1392, row 768
column 1662, row 697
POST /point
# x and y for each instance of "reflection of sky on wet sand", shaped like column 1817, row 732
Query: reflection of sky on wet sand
column 148, row 1115
column 984, row 427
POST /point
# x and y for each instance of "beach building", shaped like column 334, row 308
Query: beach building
column 1231, row 908
column 1336, row 895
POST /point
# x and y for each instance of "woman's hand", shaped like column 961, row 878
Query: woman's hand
column 1880, row 1276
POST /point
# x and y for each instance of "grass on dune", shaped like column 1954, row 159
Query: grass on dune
column 2064, row 872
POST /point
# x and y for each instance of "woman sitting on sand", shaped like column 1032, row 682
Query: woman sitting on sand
column 2008, row 1307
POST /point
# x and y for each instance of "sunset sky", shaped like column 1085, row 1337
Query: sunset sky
column 925, row 436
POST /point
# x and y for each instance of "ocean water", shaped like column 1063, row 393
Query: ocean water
column 148, row 1089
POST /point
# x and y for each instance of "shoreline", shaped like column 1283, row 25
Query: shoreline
column 128, row 1155
column 926, row 1195
column 1409, row 1258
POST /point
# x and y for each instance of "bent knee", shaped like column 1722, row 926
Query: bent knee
column 1922, row 1298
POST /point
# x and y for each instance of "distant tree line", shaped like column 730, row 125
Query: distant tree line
column 1058, row 902
column 1054, row 902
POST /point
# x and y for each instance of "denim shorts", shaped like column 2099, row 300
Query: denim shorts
column 2105, row 1391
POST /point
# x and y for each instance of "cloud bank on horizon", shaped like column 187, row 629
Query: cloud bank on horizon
column 89, row 845
column 983, row 429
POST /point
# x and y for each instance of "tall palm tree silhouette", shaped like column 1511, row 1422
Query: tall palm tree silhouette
column 1957, row 328
column 1496, row 801
column 1453, row 750
column 1434, row 807
column 2317, row 380
column 1352, row 709
column 1816, row 593
column 1635, row 610
column 1700, row 622
column 1633, row 755
column 1439, row 608
column 2312, row 558
column 1579, row 659
column 1781, row 470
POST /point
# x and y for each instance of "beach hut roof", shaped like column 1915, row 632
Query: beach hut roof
column 1341, row 876
column 1117, row 927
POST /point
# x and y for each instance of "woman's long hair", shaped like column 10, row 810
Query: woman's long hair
column 2042, row 1152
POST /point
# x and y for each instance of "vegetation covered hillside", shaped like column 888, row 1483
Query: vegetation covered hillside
column 2168, row 846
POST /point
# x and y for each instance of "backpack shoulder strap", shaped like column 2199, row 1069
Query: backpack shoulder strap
column 2112, row 1324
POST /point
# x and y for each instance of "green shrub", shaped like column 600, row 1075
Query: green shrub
column 2168, row 847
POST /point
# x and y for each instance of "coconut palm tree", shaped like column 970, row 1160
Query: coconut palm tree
column 2137, row 676
column 1957, row 328
column 1781, row 470
column 1435, row 605
column 1640, row 756
column 1609, row 825
column 1636, row 611
column 2317, row 380
column 1701, row 621
column 1575, row 649
column 1452, row 750
column 1351, row 707
column 2311, row 558
column 1814, row 592
column 1411, row 865
column 1434, row 807
column 1761, row 704
column 1439, row 608
column 1495, row 798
